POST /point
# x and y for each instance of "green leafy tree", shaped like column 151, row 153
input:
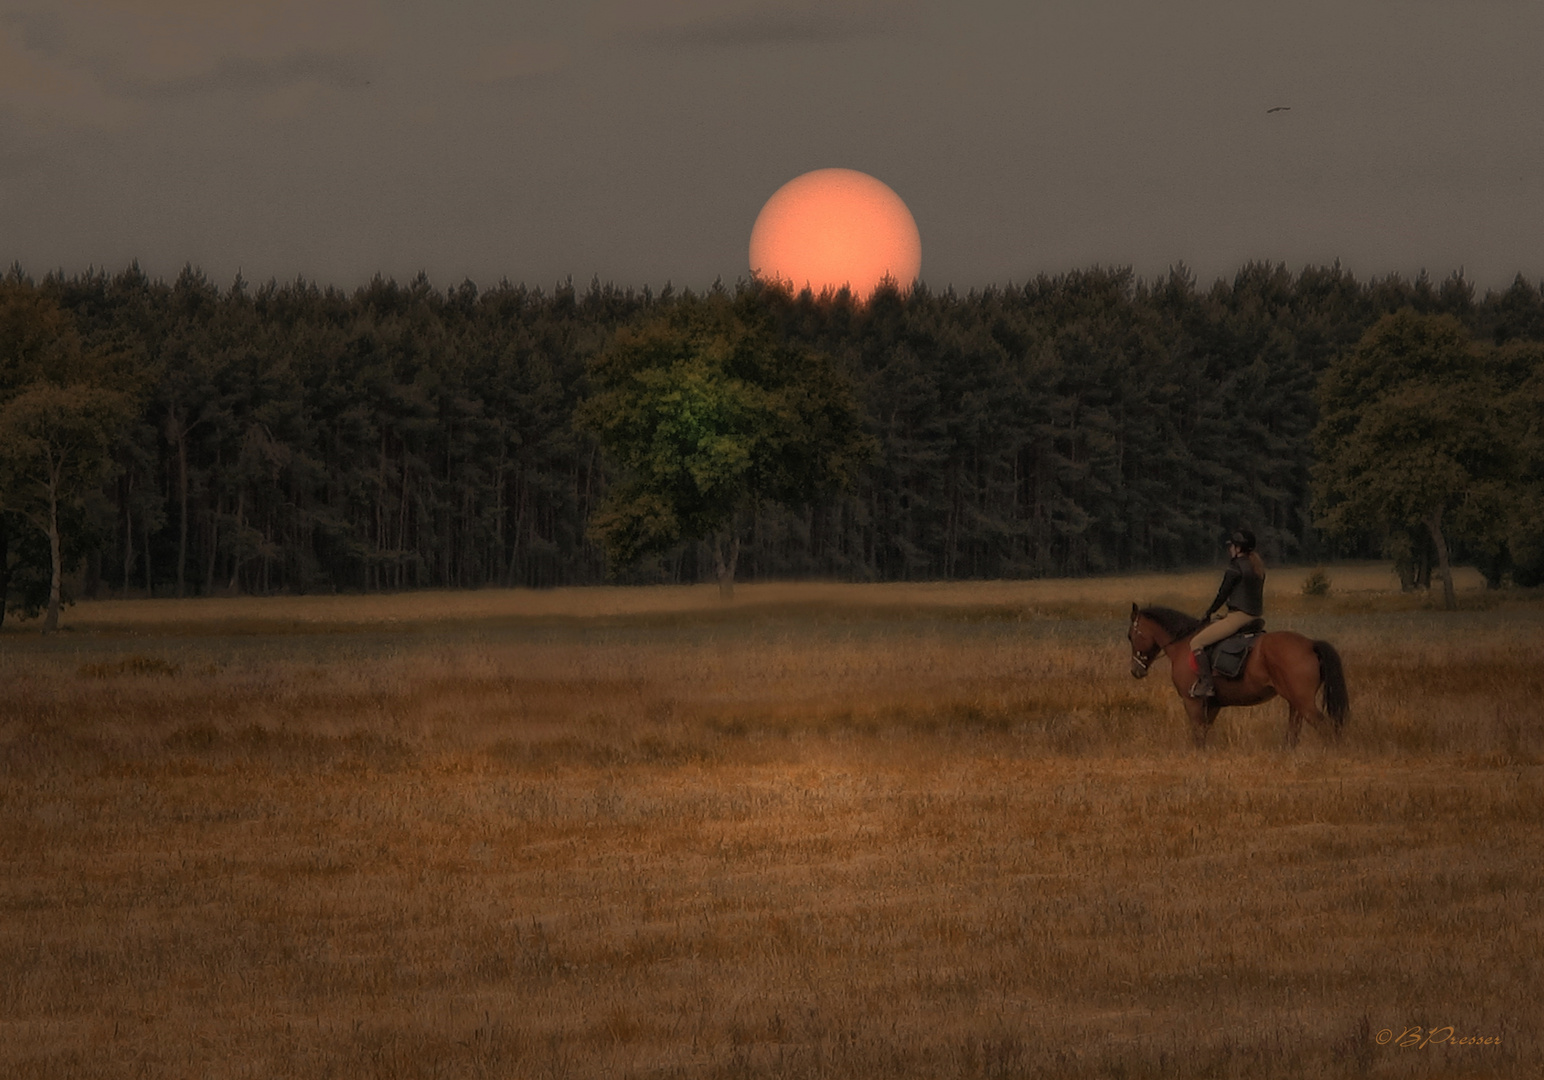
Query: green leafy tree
column 1523, row 369
column 36, row 339
column 1409, row 436
column 706, row 414
column 56, row 446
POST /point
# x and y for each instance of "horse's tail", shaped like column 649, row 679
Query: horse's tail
column 1337, row 703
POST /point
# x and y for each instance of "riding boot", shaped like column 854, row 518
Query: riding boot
column 1202, row 687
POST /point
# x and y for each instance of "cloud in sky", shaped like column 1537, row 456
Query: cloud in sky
column 237, row 73
column 518, row 59
column 747, row 23
column 92, row 61
column 40, row 92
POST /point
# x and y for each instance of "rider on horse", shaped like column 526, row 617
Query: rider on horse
column 1242, row 593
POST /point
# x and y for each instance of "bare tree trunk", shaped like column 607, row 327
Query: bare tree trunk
column 5, row 564
column 402, row 529
column 518, row 541
column 1434, row 523
column 726, row 553
column 375, row 571
column 128, row 535
column 182, row 524
column 214, row 548
column 211, row 492
column 241, row 520
column 144, row 524
column 51, row 622
column 494, row 572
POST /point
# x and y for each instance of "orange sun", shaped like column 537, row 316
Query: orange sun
column 835, row 227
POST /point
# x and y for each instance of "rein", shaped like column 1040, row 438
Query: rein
column 1144, row 662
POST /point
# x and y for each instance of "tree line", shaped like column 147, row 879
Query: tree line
column 177, row 439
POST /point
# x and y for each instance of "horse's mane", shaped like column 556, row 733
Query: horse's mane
column 1174, row 622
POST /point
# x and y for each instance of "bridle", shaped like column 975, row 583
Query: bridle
column 1141, row 661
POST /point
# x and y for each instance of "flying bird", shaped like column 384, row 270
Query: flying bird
column 1280, row 108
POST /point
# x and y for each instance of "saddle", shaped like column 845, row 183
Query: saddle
column 1230, row 654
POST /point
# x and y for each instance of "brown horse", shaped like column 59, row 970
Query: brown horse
column 1282, row 662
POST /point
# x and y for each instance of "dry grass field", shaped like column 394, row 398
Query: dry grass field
column 827, row 831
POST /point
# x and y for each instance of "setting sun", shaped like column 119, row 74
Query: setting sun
column 835, row 227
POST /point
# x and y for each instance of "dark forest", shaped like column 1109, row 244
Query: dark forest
column 297, row 438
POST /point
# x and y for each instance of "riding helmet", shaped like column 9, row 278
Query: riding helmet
column 1244, row 540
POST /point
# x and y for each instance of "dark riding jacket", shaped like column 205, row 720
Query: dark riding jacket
column 1242, row 589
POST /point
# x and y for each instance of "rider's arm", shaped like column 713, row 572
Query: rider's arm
column 1230, row 578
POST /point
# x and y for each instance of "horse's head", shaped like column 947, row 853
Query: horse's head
column 1144, row 644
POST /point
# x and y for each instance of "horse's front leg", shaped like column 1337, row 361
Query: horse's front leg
column 1202, row 714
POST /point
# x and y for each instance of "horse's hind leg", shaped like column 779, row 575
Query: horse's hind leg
column 1321, row 723
column 1307, row 710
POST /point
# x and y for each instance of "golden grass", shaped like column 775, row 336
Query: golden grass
column 1359, row 584
column 830, row 831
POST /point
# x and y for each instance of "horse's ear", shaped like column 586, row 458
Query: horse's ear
column 1133, row 611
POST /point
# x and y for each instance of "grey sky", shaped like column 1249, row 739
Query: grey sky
column 636, row 139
